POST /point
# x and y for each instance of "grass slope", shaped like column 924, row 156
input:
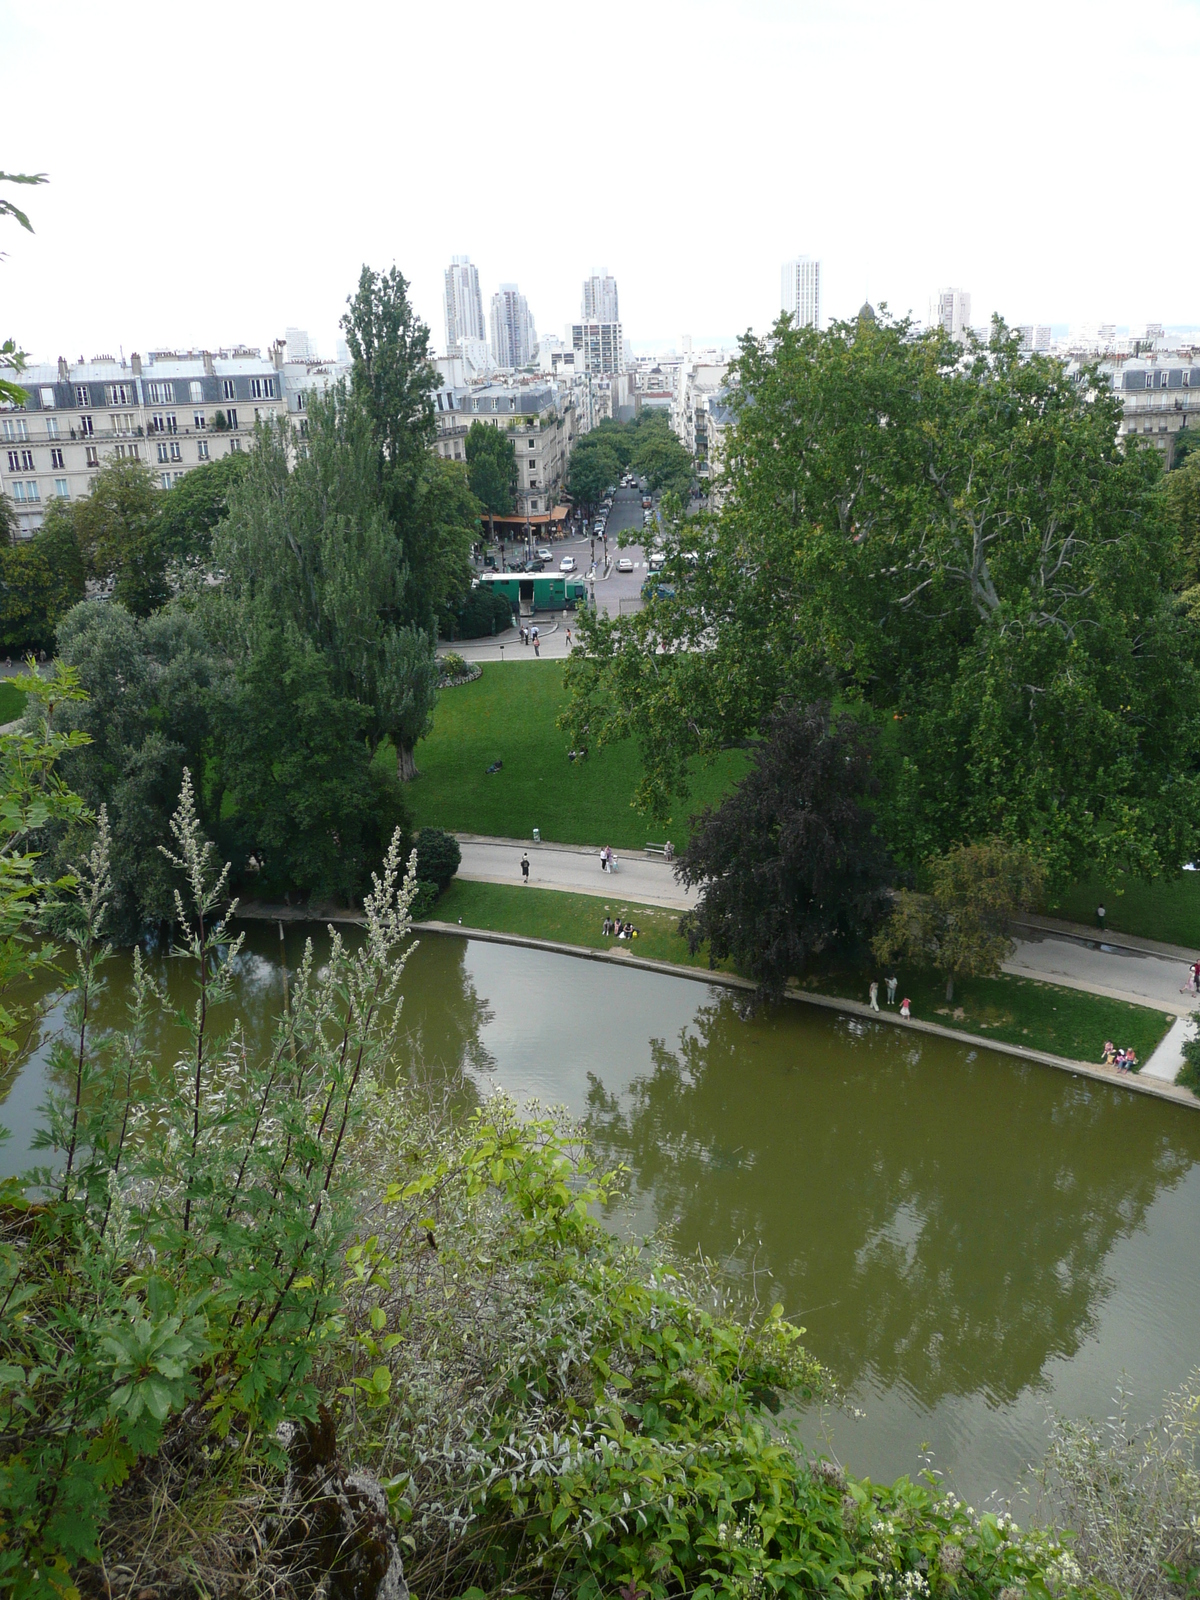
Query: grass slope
column 1064, row 1022
column 1167, row 908
column 12, row 701
column 508, row 714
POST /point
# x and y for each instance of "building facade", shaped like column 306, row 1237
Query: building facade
column 1160, row 395
column 800, row 291
column 599, row 303
column 601, row 344
column 464, row 305
column 514, row 337
column 540, row 419
column 950, row 310
column 173, row 411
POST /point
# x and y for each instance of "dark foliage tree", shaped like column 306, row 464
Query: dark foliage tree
column 790, row 863
column 117, row 528
column 481, row 614
column 593, row 468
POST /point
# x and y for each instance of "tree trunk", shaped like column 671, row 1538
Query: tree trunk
column 949, row 988
column 406, row 767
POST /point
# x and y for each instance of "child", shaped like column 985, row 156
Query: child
column 905, row 1004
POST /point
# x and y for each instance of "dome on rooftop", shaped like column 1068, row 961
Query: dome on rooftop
column 866, row 312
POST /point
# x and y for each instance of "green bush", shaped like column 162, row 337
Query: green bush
column 453, row 665
column 438, row 857
column 482, row 613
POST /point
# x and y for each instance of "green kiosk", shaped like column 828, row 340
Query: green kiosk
column 528, row 592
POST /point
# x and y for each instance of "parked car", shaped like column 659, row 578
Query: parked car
column 625, row 564
column 545, row 555
column 567, row 564
column 657, row 561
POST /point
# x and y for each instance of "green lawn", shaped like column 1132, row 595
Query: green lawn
column 1167, row 908
column 508, row 714
column 12, row 701
column 1063, row 1022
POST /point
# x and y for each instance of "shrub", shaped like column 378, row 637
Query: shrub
column 438, row 857
column 175, row 1275
column 483, row 612
column 453, row 665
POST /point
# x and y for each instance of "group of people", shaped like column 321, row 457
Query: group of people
column 608, row 861
column 1192, row 986
column 1123, row 1060
column 873, row 997
column 612, row 927
column 530, row 635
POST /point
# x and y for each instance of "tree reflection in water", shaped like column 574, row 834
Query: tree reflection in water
column 936, row 1218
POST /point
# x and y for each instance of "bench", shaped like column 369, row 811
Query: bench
column 658, row 850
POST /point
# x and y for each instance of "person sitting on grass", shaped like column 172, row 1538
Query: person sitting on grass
column 1108, row 1055
column 606, row 927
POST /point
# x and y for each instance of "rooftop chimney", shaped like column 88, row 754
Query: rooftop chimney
column 64, row 371
column 135, row 364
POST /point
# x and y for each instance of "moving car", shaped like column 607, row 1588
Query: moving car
column 646, row 501
column 567, row 564
column 545, row 555
column 625, row 564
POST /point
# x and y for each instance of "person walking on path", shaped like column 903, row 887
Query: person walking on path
column 568, row 638
column 873, row 992
column 537, row 646
column 891, row 991
column 525, row 868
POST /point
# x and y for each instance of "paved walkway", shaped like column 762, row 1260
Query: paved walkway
column 1141, row 971
column 646, row 880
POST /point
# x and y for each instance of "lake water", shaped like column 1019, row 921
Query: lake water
column 968, row 1240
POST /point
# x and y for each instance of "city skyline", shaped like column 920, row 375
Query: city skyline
column 249, row 253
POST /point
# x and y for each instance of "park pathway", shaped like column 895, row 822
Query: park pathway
column 1121, row 967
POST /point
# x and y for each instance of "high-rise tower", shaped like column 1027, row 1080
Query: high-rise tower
column 464, row 305
column 800, row 291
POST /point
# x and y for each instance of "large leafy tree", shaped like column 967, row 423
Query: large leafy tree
column 790, row 862
column 40, row 580
column 491, row 470
column 953, row 542
column 309, row 547
column 118, row 533
column 593, row 468
column 190, row 510
column 150, row 686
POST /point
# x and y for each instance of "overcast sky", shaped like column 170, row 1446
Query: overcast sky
column 218, row 174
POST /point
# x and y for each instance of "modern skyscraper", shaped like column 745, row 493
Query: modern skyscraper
column 464, row 305
column 601, row 345
column 514, row 337
column 600, row 299
column 800, row 291
column 950, row 309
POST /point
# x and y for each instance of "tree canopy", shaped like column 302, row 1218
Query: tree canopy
column 491, row 469
column 953, row 542
column 790, row 862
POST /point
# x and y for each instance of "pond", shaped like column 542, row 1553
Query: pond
column 967, row 1239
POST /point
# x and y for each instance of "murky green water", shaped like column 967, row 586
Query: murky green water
column 967, row 1240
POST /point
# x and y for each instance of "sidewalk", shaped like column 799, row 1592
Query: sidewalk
column 644, row 879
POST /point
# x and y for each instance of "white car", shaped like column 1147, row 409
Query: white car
column 545, row 555
column 567, row 564
column 625, row 564
column 657, row 561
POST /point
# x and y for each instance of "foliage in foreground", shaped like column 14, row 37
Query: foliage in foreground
column 172, row 1277
column 1132, row 1495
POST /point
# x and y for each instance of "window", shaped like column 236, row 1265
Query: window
column 61, row 489
column 533, row 505
column 157, row 425
column 231, row 417
column 261, row 389
column 304, row 427
column 56, row 459
column 52, row 427
column 162, row 450
column 474, row 405
column 122, row 421
column 85, row 427
column 172, row 423
column 25, row 491
column 93, row 456
column 14, row 428
column 302, row 401
column 166, row 477
column 82, row 398
column 162, row 394
column 202, row 450
column 196, row 389
column 533, row 444
column 235, row 444
column 120, row 394
column 228, row 389
column 201, row 421
column 176, row 454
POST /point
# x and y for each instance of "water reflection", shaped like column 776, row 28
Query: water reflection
column 937, row 1220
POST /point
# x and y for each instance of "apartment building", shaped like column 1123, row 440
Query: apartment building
column 173, row 411
column 601, row 344
column 1160, row 394
column 541, row 420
